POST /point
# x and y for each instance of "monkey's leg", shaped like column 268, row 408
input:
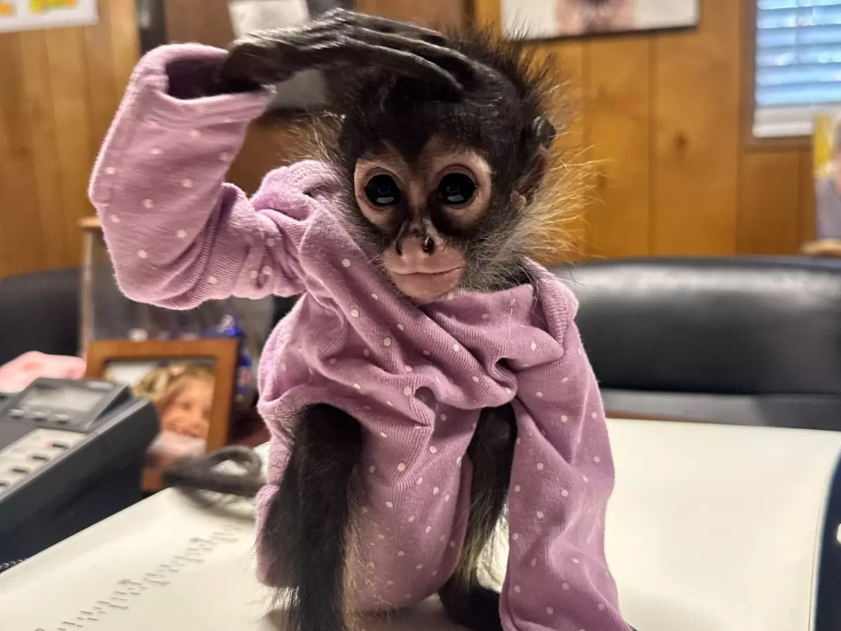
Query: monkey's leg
column 491, row 454
column 305, row 536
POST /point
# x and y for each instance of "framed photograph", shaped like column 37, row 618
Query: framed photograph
column 107, row 314
column 190, row 382
column 546, row 19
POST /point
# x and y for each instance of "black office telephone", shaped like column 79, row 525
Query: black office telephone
column 71, row 454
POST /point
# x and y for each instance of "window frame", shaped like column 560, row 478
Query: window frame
column 748, row 96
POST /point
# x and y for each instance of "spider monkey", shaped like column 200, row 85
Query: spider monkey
column 429, row 363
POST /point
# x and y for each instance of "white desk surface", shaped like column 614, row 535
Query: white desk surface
column 712, row 528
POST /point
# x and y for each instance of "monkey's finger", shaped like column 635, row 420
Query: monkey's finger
column 376, row 23
column 451, row 60
column 358, row 54
column 258, row 58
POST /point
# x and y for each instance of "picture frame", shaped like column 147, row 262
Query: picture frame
column 106, row 313
column 191, row 382
column 553, row 19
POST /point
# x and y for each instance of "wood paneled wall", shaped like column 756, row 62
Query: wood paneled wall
column 59, row 89
column 663, row 119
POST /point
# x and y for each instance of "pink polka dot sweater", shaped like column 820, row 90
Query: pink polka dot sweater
column 416, row 377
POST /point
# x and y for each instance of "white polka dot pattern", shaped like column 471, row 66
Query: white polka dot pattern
column 414, row 375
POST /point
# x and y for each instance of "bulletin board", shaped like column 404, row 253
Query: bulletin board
column 22, row 15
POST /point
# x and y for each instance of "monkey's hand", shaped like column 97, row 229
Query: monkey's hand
column 342, row 39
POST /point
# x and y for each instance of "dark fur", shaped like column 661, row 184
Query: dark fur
column 495, row 117
column 491, row 454
column 306, row 536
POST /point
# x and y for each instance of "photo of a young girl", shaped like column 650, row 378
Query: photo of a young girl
column 182, row 392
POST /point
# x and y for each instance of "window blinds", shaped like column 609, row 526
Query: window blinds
column 798, row 64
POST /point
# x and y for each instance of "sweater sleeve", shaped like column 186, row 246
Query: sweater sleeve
column 562, row 478
column 177, row 234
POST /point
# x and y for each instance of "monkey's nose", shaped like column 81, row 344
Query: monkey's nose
column 428, row 245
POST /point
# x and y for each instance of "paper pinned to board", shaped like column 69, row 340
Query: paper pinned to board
column 24, row 15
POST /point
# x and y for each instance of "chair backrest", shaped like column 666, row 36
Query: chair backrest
column 742, row 340
column 39, row 312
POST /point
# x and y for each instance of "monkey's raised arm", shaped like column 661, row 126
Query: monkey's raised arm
column 176, row 232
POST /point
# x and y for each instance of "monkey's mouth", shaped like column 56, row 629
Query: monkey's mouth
column 427, row 286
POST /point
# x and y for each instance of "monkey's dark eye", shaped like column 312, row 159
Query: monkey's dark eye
column 382, row 190
column 456, row 189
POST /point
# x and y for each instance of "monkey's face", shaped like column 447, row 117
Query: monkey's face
column 440, row 186
column 424, row 210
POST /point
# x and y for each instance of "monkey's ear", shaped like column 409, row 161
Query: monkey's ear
column 536, row 170
column 544, row 131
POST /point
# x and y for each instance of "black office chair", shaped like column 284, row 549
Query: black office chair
column 39, row 312
column 729, row 340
